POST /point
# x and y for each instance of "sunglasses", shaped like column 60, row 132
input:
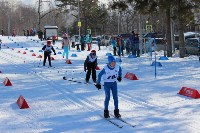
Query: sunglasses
column 93, row 53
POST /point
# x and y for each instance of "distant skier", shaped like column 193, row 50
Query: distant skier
column 65, row 45
column 90, row 65
column 111, row 73
column 47, row 52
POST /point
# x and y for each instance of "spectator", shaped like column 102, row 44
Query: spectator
column 137, row 49
column 24, row 32
column 132, row 43
column 82, row 43
column 40, row 34
column 99, row 42
column 54, row 39
column 2, row 32
column 114, row 45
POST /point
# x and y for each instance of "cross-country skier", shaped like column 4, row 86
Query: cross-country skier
column 47, row 52
column 90, row 65
column 65, row 45
column 111, row 73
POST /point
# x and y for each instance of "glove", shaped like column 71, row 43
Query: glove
column 119, row 79
column 54, row 53
column 62, row 47
column 98, row 86
column 85, row 69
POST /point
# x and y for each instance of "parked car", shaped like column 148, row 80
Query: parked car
column 105, row 39
column 186, row 36
column 192, row 46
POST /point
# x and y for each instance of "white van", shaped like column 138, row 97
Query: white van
column 105, row 39
column 51, row 31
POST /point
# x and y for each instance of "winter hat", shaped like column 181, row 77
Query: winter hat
column 93, row 51
column 111, row 59
column 48, row 41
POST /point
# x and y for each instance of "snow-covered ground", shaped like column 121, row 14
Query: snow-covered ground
column 58, row 105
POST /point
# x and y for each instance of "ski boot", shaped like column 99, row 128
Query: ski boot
column 116, row 112
column 106, row 114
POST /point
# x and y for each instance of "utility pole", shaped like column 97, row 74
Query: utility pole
column 79, row 28
column 140, row 37
column 39, row 14
column 79, row 20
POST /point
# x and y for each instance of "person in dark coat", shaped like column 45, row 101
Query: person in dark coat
column 45, row 37
column 82, row 40
column 99, row 42
column 90, row 65
column 40, row 35
column 47, row 52
column 28, row 33
column 137, row 49
column 24, row 32
column 2, row 32
column 132, row 43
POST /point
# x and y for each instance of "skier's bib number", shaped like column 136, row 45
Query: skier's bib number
column 111, row 77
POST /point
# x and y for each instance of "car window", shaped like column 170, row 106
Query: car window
column 192, row 42
column 160, row 41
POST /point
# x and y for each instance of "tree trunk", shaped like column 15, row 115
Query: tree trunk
column 181, row 34
column 168, row 30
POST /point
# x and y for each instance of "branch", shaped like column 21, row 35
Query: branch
column 47, row 13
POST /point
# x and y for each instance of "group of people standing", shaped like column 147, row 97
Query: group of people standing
column 130, row 43
column 86, row 42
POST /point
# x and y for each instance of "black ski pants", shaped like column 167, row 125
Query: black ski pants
column 91, row 68
column 47, row 54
